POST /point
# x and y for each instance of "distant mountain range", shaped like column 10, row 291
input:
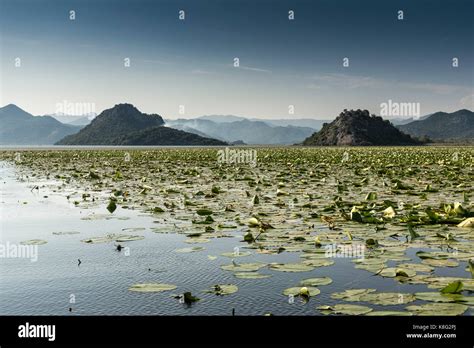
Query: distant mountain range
column 296, row 122
column 359, row 128
column 18, row 127
column 76, row 120
column 233, row 128
column 124, row 124
column 401, row 121
column 444, row 126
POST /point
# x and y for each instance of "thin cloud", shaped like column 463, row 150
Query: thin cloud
column 355, row 81
column 467, row 101
column 254, row 69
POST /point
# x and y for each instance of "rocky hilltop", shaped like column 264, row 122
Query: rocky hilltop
column 124, row 124
column 359, row 128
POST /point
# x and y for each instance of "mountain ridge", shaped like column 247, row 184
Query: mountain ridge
column 458, row 125
column 246, row 130
column 18, row 127
column 359, row 128
column 124, row 124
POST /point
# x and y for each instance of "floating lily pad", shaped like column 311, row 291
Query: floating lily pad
column 389, row 313
column 452, row 288
column 189, row 250
column 432, row 309
column 316, row 281
column 196, row 240
column 243, row 267
column 469, row 222
column 441, row 263
column 441, row 282
column 348, row 309
column 437, row 297
column 295, row 291
column 34, row 242
column 152, row 287
column 387, row 298
column 291, row 267
column 251, row 275
column 351, row 294
column 318, row 262
column 417, row 267
column 129, row 238
column 223, row 289
column 106, row 239
column 392, row 272
column 133, row 229
column 237, row 254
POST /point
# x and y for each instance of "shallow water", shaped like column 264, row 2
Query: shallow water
column 100, row 283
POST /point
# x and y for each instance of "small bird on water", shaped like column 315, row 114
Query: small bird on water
column 79, row 262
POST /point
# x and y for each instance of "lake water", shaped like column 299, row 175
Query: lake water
column 99, row 285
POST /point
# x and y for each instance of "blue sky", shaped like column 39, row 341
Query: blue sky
column 282, row 62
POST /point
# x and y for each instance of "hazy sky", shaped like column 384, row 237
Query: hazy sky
column 282, row 62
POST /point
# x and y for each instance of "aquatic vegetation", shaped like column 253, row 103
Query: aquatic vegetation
column 438, row 308
column 302, row 291
column 399, row 214
column 347, row 309
column 152, row 287
column 33, row 242
column 223, row 289
column 316, row 281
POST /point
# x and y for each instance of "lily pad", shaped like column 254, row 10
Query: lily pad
column 432, row 309
column 437, row 297
column 291, row 267
column 351, row 294
column 387, row 298
column 251, row 275
column 129, row 238
column 67, row 233
column 318, row 262
column 223, row 289
column 452, row 288
column 469, row 222
column 196, row 240
column 392, row 272
column 189, row 250
column 243, row 267
column 417, row 267
column 441, row 263
column 152, row 287
column 348, row 309
column 389, row 313
column 34, row 242
column 237, row 254
column 316, row 281
column 295, row 291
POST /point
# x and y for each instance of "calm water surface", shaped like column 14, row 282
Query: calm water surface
column 100, row 284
